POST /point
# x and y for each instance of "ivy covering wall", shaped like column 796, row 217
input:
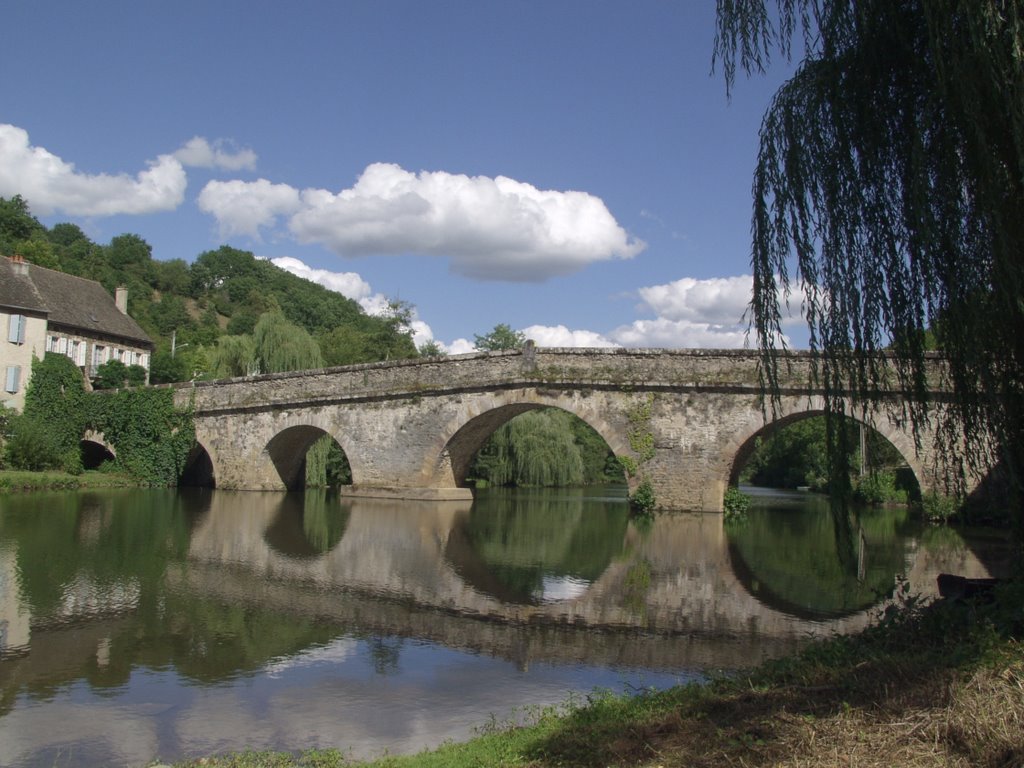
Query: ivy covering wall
column 150, row 437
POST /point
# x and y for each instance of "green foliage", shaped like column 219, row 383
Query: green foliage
column 888, row 190
column 502, row 337
column 879, row 488
column 796, row 455
column 110, row 375
column 641, row 439
column 31, row 445
column 790, row 457
column 547, row 447
column 316, row 462
column 17, row 224
column 135, row 376
column 735, row 504
column 165, row 368
column 431, row 349
column 151, row 437
column 940, row 508
column 338, row 470
column 234, row 356
column 223, row 290
column 56, row 401
column 642, row 501
column 533, row 449
column 280, row 345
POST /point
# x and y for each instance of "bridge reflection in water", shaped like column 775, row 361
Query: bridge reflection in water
column 192, row 617
column 485, row 577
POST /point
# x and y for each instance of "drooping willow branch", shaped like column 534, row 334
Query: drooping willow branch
column 889, row 192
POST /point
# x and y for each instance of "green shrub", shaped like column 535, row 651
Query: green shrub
column 71, row 461
column 32, row 446
column 879, row 488
column 735, row 504
column 135, row 376
column 643, row 502
column 111, row 375
column 938, row 507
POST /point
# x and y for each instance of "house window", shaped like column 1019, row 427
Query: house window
column 99, row 355
column 77, row 352
column 16, row 329
column 13, row 378
column 51, row 343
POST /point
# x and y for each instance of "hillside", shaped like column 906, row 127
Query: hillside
column 222, row 292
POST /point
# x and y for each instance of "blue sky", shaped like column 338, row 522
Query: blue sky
column 571, row 168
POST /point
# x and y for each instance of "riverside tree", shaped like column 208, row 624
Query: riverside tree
column 502, row 337
column 889, row 191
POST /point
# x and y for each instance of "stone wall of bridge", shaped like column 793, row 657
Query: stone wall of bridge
column 411, row 428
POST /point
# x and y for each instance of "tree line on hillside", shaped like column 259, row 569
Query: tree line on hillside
column 230, row 314
column 188, row 308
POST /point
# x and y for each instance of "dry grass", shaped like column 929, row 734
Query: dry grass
column 869, row 721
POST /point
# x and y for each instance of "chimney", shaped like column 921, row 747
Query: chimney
column 18, row 265
column 121, row 299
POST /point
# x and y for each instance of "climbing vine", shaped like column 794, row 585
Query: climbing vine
column 150, row 436
column 641, row 441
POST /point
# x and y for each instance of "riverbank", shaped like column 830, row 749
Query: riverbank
column 926, row 686
column 17, row 481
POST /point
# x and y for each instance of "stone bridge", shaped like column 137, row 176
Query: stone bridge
column 684, row 419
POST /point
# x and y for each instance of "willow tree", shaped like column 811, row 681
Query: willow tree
column 234, row 356
column 535, row 449
column 279, row 345
column 889, row 192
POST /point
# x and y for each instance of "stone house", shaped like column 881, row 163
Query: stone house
column 43, row 310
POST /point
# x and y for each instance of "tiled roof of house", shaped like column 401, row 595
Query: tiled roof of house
column 71, row 301
column 18, row 291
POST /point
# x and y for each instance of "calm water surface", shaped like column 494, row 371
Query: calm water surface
column 137, row 625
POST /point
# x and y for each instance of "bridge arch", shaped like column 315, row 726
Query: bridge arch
column 306, row 526
column 199, row 468
column 466, row 433
column 95, row 449
column 288, row 448
column 738, row 449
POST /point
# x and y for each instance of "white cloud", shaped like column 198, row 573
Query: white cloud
column 678, row 334
column 719, row 300
column 244, row 207
column 460, row 347
column 560, row 336
column 197, row 152
column 490, row 228
column 421, row 333
column 50, row 184
column 691, row 313
column 348, row 284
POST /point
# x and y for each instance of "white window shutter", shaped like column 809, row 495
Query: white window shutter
column 16, row 329
column 13, row 378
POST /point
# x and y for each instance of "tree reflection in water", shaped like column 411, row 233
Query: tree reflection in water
column 528, row 547
column 800, row 554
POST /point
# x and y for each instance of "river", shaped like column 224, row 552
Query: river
column 138, row 625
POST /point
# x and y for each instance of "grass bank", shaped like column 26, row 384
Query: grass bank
column 16, row 481
column 938, row 685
